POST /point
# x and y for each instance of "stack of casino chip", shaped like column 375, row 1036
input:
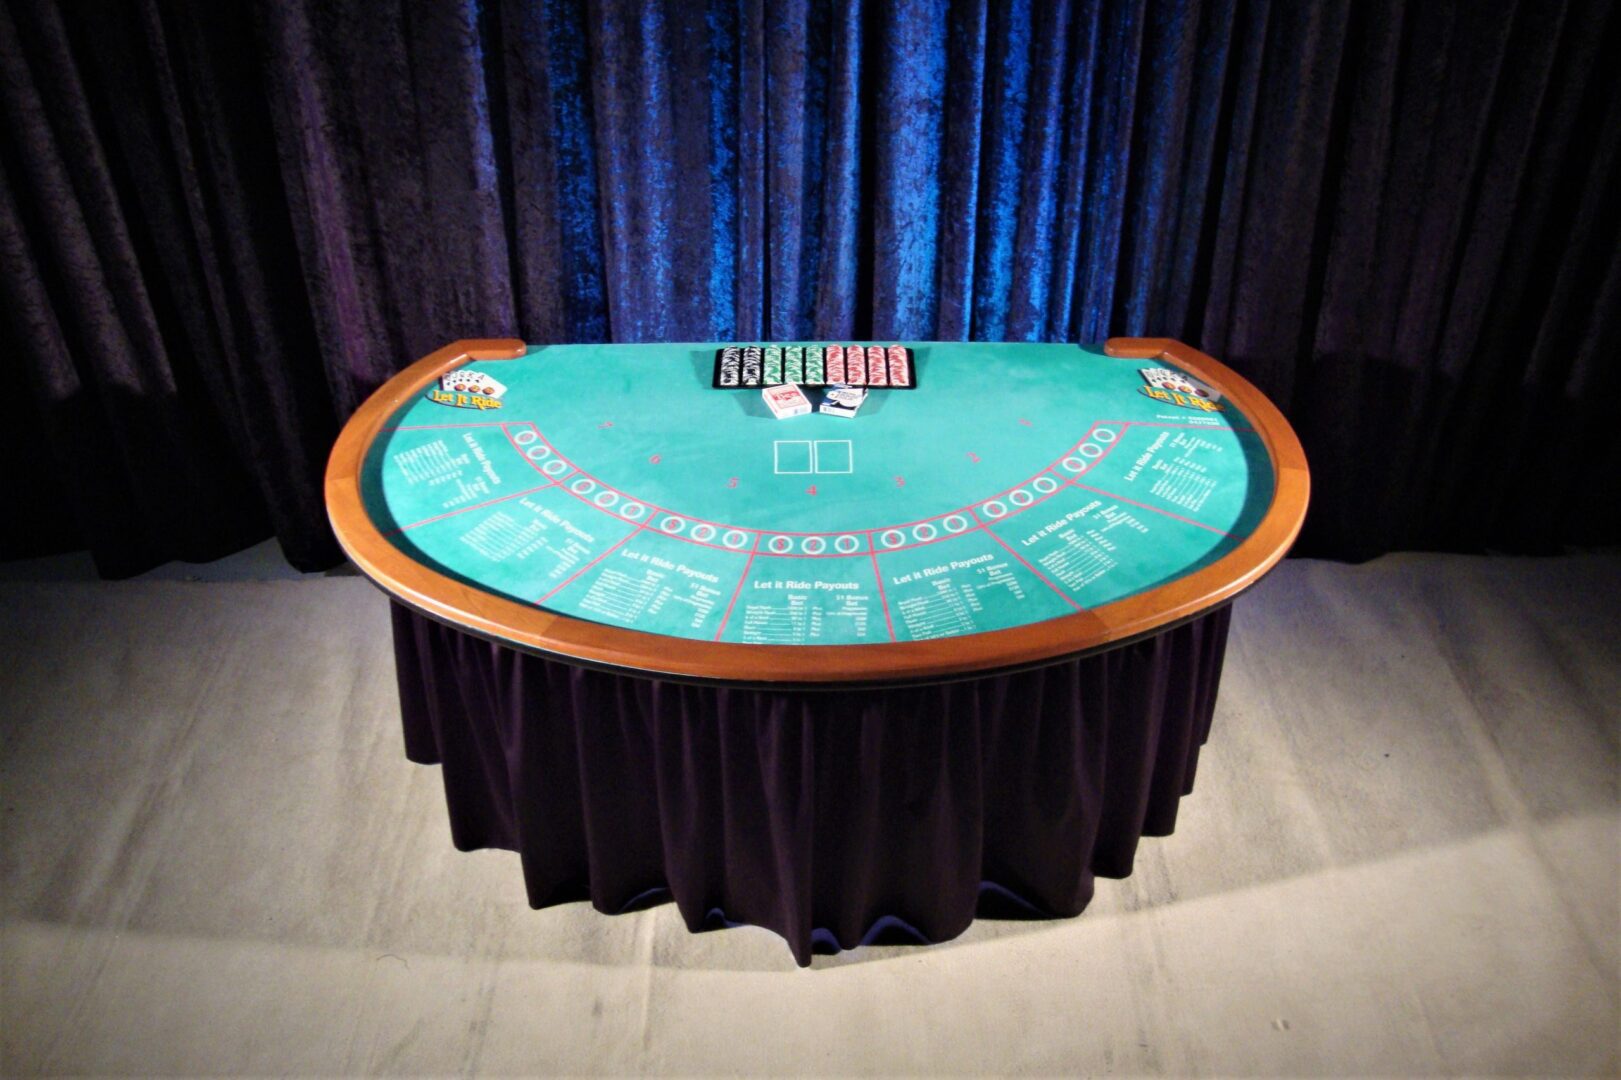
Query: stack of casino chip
column 730, row 366
column 835, row 364
column 900, row 370
column 855, row 365
column 773, row 365
column 793, row 364
column 877, row 367
column 815, row 369
column 753, row 360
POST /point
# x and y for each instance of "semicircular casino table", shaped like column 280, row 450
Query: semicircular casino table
column 841, row 677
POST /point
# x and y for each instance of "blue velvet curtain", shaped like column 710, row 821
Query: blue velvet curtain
column 221, row 226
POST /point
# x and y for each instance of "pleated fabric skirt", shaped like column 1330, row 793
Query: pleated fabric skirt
column 834, row 818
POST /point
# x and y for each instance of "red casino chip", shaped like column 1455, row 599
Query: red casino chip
column 834, row 365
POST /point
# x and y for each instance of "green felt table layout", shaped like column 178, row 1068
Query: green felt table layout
column 1017, row 483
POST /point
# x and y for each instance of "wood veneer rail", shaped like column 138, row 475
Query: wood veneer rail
column 638, row 652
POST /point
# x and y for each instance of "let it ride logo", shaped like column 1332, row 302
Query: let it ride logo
column 1175, row 388
column 466, row 389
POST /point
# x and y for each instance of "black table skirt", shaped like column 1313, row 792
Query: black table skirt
column 832, row 817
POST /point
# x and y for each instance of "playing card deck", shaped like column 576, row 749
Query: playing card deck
column 786, row 400
column 1168, row 379
column 842, row 401
column 465, row 381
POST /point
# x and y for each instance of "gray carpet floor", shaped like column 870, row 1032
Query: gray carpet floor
column 1402, row 857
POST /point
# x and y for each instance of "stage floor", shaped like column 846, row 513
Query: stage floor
column 1401, row 857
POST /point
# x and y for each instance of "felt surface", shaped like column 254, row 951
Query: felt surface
column 1018, row 483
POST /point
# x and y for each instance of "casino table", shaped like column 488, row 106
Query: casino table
column 845, row 677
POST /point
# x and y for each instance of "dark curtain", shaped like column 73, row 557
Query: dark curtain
column 222, row 225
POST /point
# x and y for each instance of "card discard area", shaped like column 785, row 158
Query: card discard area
column 886, row 367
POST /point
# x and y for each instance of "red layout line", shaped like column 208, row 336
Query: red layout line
column 760, row 534
column 588, row 566
column 692, row 519
column 781, row 554
column 533, row 464
column 654, row 510
column 1066, row 597
column 968, row 509
column 1151, row 509
column 476, row 506
column 1196, row 427
column 742, row 579
column 883, row 600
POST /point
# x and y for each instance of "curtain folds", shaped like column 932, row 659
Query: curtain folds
column 222, row 226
